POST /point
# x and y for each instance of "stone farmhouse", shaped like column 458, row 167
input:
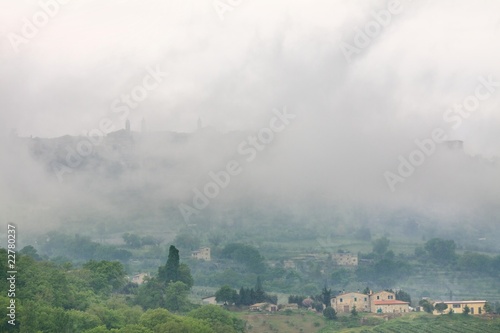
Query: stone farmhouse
column 345, row 259
column 380, row 302
column 202, row 254
column 475, row 307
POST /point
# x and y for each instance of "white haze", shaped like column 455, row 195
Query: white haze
column 353, row 120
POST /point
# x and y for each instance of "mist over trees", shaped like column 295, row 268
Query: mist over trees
column 303, row 153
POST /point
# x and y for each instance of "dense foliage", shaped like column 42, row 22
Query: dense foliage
column 54, row 298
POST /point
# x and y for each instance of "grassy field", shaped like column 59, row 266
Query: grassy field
column 310, row 322
column 428, row 324
column 297, row 322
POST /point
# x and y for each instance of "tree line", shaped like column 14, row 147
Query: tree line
column 96, row 297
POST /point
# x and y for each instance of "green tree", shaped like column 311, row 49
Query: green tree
column 330, row 313
column 466, row 311
column 354, row 312
column 226, row 294
column 260, row 294
column 31, row 252
column 82, row 321
column 380, row 246
column 219, row 319
column 99, row 329
column 488, row 308
column 245, row 297
column 246, row 255
column 341, row 277
column 475, row 262
column 326, row 296
column 176, row 297
column 426, row 305
column 318, row 306
column 184, row 275
column 110, row 317
column 403, row 296
column 153, row 318
column 170, row 272
column 133, row 329
column 106, row 274
column 440, row 307
column 297, row 299
column 184, row 325
column 441, row 251
column 151, row 295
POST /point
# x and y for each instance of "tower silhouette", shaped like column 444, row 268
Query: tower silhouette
column 199, row 123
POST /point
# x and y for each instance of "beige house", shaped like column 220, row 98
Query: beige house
column 201, row 254
column 393, row 306
column 345, row 259
column 139, row 278
column 380, row 296
column 290, row 306
column 209, row 300
column 346, row 301
column 380, row 302
column 263, row 307
column 476, row 307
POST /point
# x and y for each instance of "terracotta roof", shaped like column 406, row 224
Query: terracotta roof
column 391, row 302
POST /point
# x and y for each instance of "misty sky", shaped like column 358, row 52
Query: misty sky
column 354, row 116
column 262, row 55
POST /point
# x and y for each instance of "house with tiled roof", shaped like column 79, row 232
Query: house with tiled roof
column 345, row 302
column 379, row 302
column 475, row 307
column 390, row 306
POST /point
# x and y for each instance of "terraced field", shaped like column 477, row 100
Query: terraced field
column 300, row 322
column 442, row 324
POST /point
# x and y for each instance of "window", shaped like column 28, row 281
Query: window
column 456, row 306
column 355, row 299
column 365, row 299
column 479, row 310
column 341, row 300
column 378, row 297
column 390, row 297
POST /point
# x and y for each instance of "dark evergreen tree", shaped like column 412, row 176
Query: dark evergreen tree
column 330, row 313
column 260, row 294
column 326, row 295
column 440, row 307
column 403, row 296
column 426, row 305
column 354, row 312
column 170, row 272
